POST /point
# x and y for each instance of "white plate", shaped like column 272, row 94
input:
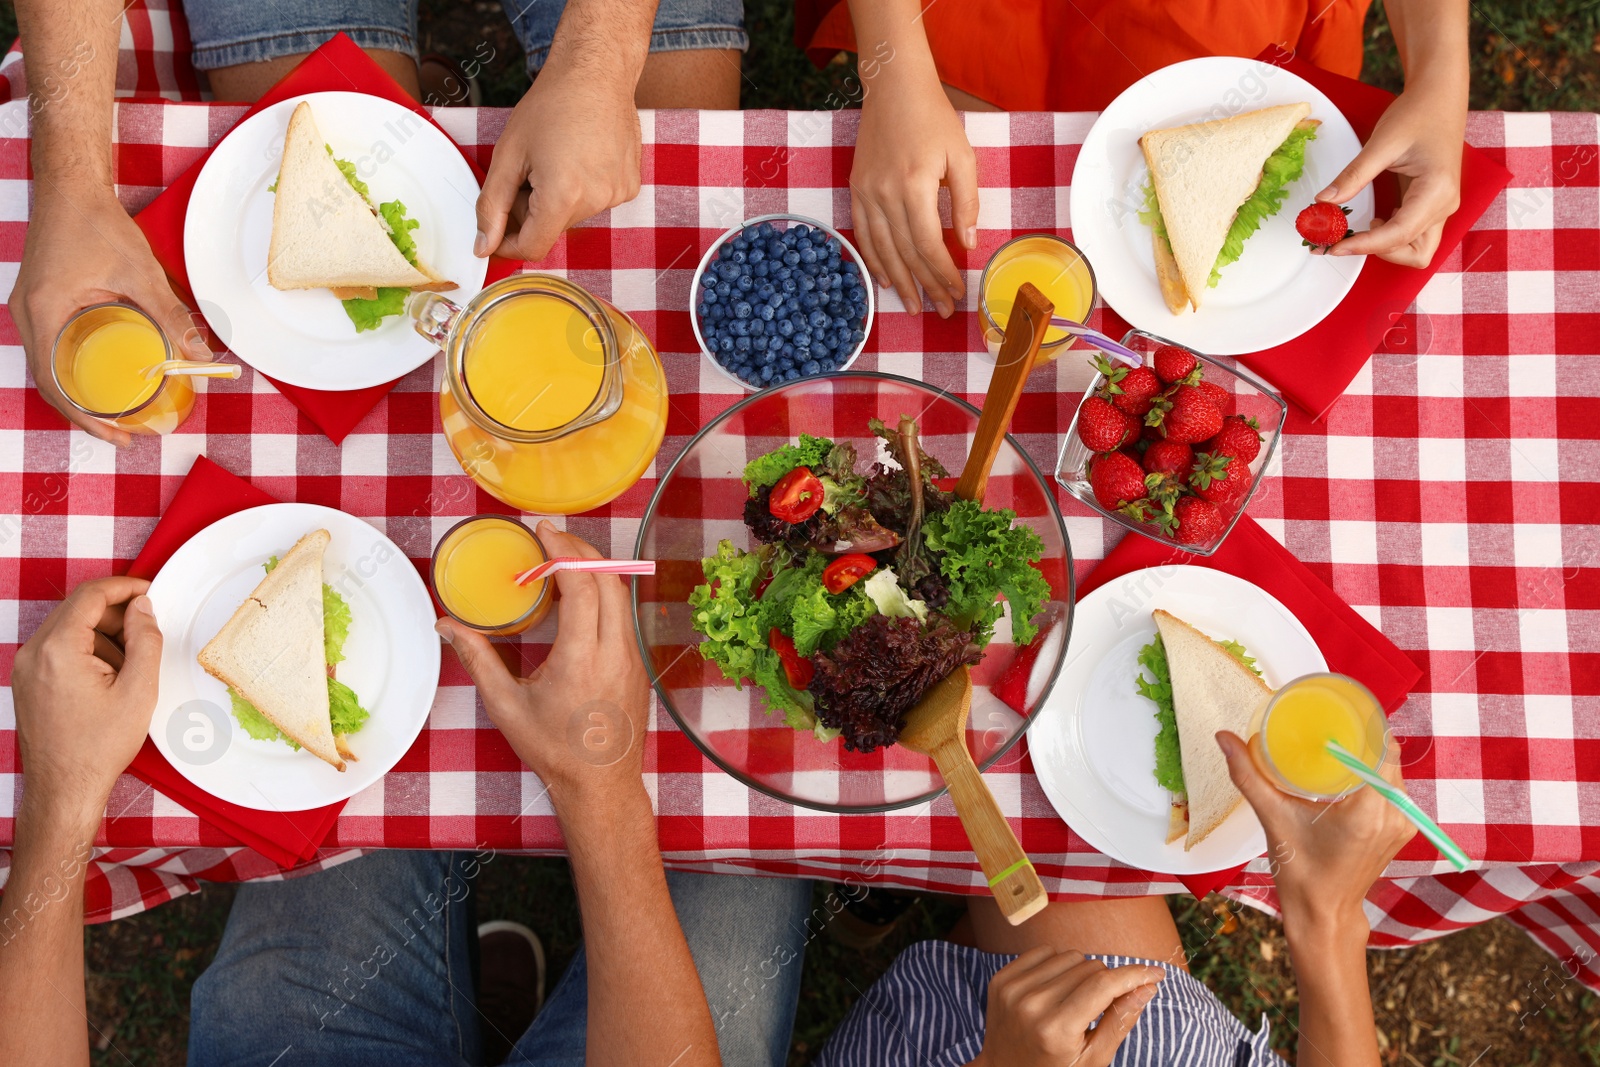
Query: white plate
column 303, row 337
column 1277, row 290
column 391, row 657
column 1093, row 744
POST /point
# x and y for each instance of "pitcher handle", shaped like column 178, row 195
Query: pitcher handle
column 432, row 315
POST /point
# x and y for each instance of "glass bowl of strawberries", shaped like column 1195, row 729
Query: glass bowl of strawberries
column 1174, row 447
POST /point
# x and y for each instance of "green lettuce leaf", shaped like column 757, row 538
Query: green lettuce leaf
column 348, row 169
column 335, row 624
column 767, row 469
column 400, row 227
column 369, row 314
column 987, row 552
column 344, row 708
column 254, row 723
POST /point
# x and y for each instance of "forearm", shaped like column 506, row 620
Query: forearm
column 1431, row 39
column 639, row 963
column 70, row 51
column 41, row 935
column 1329, row 957
column 606, row 39
column 892, row 46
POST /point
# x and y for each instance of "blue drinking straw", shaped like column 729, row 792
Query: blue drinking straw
column 1408, row 807
column 1100, row 341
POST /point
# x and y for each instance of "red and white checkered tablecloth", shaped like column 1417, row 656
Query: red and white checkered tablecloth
column 1449, row 497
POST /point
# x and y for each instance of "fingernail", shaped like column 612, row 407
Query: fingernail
column 142, row 603
column 445, row 630
column 969, row 237
column 1142, row 996
column 1230, row 747
column 546, row 526
column 1328, row 193
column 480, row 245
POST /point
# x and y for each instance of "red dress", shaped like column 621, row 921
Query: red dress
column 1077, row 55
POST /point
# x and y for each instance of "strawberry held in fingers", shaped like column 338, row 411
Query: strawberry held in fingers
column 1103, row 426
column 1322, row 225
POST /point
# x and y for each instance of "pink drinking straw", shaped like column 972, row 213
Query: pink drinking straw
column 593, row 566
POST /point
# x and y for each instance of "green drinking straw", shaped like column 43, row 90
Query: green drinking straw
column 1408, row 807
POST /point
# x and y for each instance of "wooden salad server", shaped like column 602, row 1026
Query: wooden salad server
column 937, row 726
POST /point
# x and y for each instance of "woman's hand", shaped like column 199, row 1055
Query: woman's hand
column 911, row 141
column 1420, row 138
column 85, row 687
column 570, row 150
column 579, row 720
column 1042, row 1004
column 1326, row 855
column 83, row 249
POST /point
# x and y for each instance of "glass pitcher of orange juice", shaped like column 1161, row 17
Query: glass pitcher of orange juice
column 553, row 400
column 99, row 363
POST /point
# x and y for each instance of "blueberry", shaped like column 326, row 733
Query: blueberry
column 802, row 337
column 792, row 305
column 831, row 364
column 787, row 284
column 808, row 256
column 791, row 375
column 803, row 352
column 774, row 343
column 766, row 372
column 785, row 328
column 757, row 327
column 725, row 344
column 856, row 337
column 792, row 258
column 723, row 289
column 741, row 310
column 741, row 345
column 785, row 364
column 736, row 256
column 761, row 270
column 708, row 280
column 800, row 230
column 745, row 283
column 807, row 283
column 775, row 301
column 739, row 327
column 701, row 309
column 818, row 320
column 709, row 296
column 808, row 302
column 851, row 269
column 788, row 349
column 811, row 367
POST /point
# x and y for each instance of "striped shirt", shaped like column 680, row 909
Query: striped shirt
column 928, row 1011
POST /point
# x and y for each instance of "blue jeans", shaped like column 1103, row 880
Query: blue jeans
column 226, row 33
column 367, row 964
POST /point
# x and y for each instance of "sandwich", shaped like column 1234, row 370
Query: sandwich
column 1199, row 686
column 1212, row 184
column 326, row 233
column 277, row 655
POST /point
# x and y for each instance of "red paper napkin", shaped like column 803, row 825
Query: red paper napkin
column 339, row 65
column 1315, row 368
column 1349, row 643
column 287, row 838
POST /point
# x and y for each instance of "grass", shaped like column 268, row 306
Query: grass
column 1486, row 996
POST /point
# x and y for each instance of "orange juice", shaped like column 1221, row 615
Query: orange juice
column 474, row 571
column 535, row 362
column 1304, row 716
column 100, row 358
column 553, row 400
column 1056, row 269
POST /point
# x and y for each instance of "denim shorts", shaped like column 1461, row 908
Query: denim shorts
column 226, row 33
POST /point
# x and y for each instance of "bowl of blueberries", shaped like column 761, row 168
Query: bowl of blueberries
column 779, row 298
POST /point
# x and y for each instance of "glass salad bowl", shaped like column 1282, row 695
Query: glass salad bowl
column 700, row 501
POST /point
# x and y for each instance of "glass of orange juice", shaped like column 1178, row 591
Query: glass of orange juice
column 1299, row 721
column 99, row 363
column 474, row 571
column 553, row 400
column 1055, row 267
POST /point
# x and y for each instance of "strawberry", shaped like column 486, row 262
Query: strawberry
column 1168, row 457
column 1219, row 396
column 1138, row 387
column 1321, row 225
column 1198, row 521
column 1174, row 363
column 1220, row 479
column 1117, row 481
column 1239, row 437
column 1102, row 426
column 1185, row 414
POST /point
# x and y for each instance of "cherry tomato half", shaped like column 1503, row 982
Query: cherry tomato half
column 846, row 571
column 796, row 667
column 797, row 496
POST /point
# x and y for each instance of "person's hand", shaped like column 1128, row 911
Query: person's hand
column 1042, row 1003
column 1326, row 856
column 85, row 687
column 1420, row 138
column 911, row 141
column 579, row 720
column 569, row 150
column 83, row 249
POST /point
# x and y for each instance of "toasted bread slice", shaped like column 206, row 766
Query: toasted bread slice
column 325, row 235
column 1211, row 691
column 1202, row 173
column 271, row 651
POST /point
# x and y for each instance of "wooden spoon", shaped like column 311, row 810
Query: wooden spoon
column 937, row 726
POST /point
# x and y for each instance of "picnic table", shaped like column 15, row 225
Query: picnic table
column 1449, row 497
